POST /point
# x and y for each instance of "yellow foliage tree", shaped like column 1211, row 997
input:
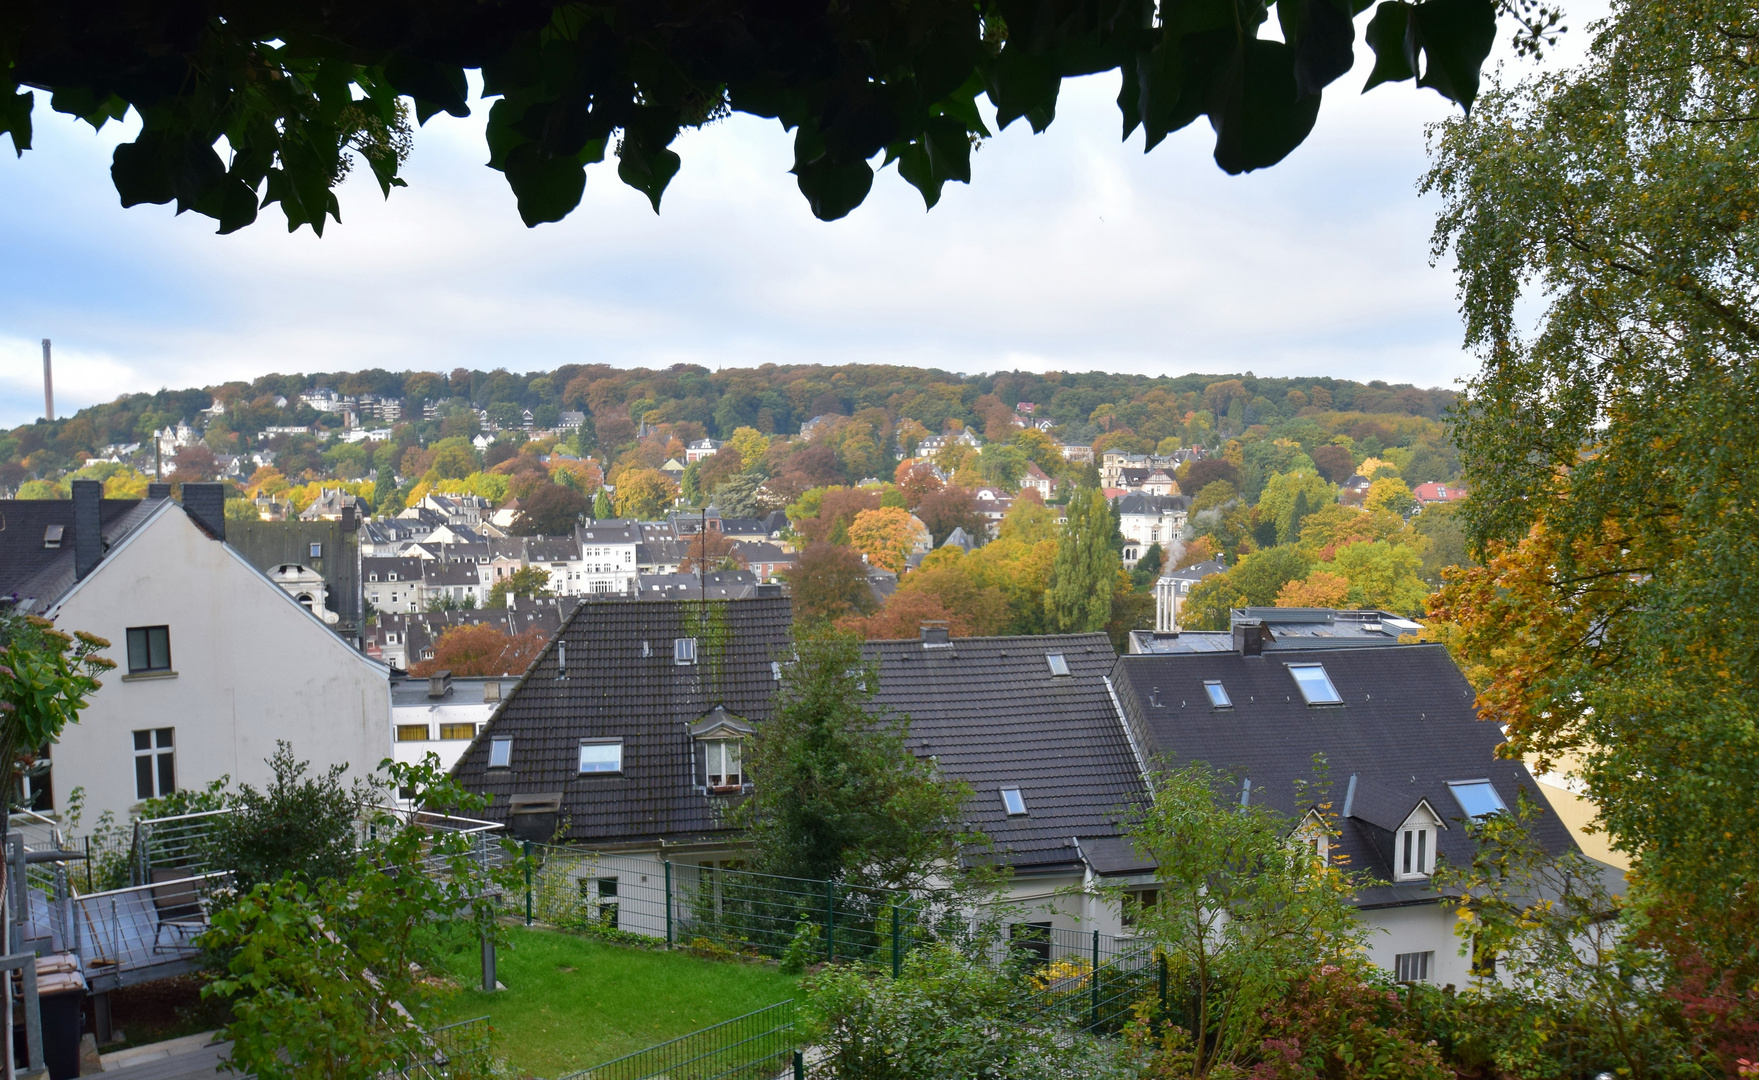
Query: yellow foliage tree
column 886, row 536
column 1320, row 589
column 644, row 493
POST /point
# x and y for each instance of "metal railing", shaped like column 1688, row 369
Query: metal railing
column 459, row 1051
column 757, row 1046
column 121, row 931
column 180, row 842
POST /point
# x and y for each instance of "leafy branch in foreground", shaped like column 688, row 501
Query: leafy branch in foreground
column 334, row 977
column 298, row 92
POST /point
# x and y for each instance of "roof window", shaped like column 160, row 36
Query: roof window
column 1218, row 694
column 605, row 756
column 1013, row 802
column 1315, row 684
column 52, row 535
column 1478, row 798
column 1059, row 666
column 500, row 753
column 684, row 650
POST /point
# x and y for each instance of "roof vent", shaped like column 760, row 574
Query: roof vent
column 52, row 535
column 440, row 683
column 936, row 633
column 491, row 691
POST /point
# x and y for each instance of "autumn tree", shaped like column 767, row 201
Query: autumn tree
column 1609, row 448
column 886, row 536
column 1079, row 596
column 952, row 507
column 549, row 510
column 644, row 494
column 482, row 649
column 828, row 582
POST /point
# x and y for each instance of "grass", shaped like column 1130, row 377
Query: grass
column 572, row 1002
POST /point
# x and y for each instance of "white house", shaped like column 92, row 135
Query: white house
column 215, row 661
column 439, row 715
column 1145, row 520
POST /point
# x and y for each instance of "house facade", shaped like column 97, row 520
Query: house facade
column 1145, row 520
column 215, row 661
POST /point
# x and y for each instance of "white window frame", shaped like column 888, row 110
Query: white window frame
column 1414, row 844
column 160, row 756
column 1217, row 694
column 1015, row 806
column 1335, row 699
column 581, row 761
column 723, row 761
column 684, row 650
column 1413, row 967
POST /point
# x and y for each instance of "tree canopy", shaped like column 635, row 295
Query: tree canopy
column 300, row 93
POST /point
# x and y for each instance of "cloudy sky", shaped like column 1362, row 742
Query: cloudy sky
column 1069, row 251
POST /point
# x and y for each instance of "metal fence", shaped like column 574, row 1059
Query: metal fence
column 1099, row 993
column 757, row 1046
column 460, row 1051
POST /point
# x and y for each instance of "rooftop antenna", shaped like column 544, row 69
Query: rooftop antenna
column 48, row 385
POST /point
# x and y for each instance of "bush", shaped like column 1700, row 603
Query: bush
column 949, row 1015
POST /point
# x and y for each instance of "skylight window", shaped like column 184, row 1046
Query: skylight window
column 1059, row 666
column 684, row 650
column 601, row 757
column 1013, row 802
column 1315, row 684
column 500, row 753
column 1478, row 798
column 1218, row 694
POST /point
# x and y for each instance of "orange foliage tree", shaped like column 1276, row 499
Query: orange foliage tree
column 886, row 536
column 482, row 649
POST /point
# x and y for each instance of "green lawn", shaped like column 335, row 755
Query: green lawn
column 572, row 1002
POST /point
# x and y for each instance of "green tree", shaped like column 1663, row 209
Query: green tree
column 47, row 677
column 829, row 582
column 837, row 794
column 1383, row 575
column 601, row 506
column 1245, row 907
column 454, row 458
column 1291, row 496
column 1608, row 446
column 1002, row 465
column 1079, row 596
column 529, row 581
column 331, row 979
column 299, row 825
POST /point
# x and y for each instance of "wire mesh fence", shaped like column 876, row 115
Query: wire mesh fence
column 757, row 1046
column 459, row 1051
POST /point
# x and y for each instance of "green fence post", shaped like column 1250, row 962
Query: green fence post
column 830, row 922
column 897, row 942
column 799, row 1066
column 1093, row 1025
column 1163, row 991
column 528, row 883
column 668, row 863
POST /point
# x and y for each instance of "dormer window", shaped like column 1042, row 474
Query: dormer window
column 1218, row 694
column 1414, row 844
column 1313, row 838
column 1315, row 684
column 723, row 764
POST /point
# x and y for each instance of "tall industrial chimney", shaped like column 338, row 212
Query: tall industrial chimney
column 48, row 385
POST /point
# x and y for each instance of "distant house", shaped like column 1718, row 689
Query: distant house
column 1172, row 589
column 674, row 469
column 330, row 505
column 1076, row 452
column 440, row 715
column 404, row 639
column 1408, row 767
column 1273, row 629
column 818, row 423
column 1145, row 520
column 993, row 504
column 215, row 661
column 570, row 420
column 392, row 583
column 1433, row 492
column 1358, row 484
column 701, row 448
column 1036, row 480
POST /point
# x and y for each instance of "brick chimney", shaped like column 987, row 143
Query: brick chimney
column 88, row 535
column 206, row 503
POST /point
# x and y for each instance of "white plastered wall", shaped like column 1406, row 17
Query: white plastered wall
column 252, row 666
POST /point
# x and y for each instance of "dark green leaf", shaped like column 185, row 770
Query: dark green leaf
column 833, row 188
column 949, row 148
column 1456, row 37
column 1262, row 116
column 1324, row 38
column 1386, row 36
column 547, row 187
column 913, row 166
column 647, row 171
column 1022, row 85
column 15, row 118
column 139, row 173
column 435, row 87
column 80, row 101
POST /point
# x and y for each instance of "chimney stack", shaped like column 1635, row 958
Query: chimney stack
column 88, row 536
column 158, row 491
column 48, row 385
column 1249, row 637
column 935, row 633
column 206, row 503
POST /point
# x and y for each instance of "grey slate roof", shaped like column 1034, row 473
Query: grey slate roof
column 1406, row 728
column 719, row 584
column 612, row 690
column 1137, row 502
column 991, row 713
column 29, row 569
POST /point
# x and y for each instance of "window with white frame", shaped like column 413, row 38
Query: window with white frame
column 500, row 753
column 155, row 763
column 1013, row 802
column 1218, row 694
column 723, row 763
column 149, row 649
column 684, row 650
column 1413, row 967
column 1478, row 798
column 1315, row 684
column 1414, row 844
column 600, row 756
